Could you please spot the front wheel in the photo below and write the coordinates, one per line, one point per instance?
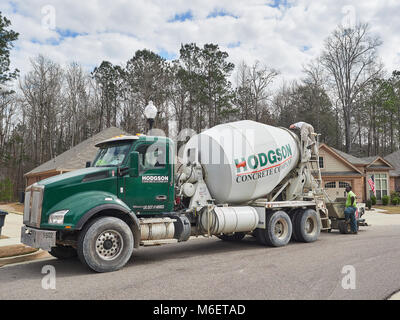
(106, 244)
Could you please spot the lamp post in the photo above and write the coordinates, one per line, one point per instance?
(150, 113)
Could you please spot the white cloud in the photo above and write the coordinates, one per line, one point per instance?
(284, 38)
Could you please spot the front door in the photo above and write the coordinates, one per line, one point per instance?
(150, 192)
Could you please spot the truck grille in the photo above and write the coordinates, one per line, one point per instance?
(33, 205)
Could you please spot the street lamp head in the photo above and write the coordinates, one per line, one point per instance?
(150, 111)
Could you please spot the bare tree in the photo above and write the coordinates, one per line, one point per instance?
(41, 88)
(253, 90)
(77, 103)
(350, 57)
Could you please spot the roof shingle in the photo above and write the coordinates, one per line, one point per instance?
(76, 157)
(394, 159)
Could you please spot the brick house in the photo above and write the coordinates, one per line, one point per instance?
(339, 169)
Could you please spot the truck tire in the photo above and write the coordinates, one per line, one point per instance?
(278, 229)
(307, 226)
(105, 244)
(293, 218)
(63, 252)
(232, 237)
(344, 227)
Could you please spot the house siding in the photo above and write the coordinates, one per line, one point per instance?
(332, 164)
(36, 178)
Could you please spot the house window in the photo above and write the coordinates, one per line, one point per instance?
(343, 184)
(330, 185)
(381, 185)
(321, 162)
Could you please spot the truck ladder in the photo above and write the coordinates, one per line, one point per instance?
(319, 192)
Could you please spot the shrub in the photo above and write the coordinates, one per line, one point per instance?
(6, 190)
(369, 204)
(395, 201)
(393, 196)
(373, 200)
(385, 200)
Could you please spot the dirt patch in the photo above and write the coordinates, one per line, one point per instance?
(40, 254)
(389, 209)
(15, 250)
(13, 207)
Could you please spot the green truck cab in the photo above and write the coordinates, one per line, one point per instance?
(94, 212)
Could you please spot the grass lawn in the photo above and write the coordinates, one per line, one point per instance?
(389, 209)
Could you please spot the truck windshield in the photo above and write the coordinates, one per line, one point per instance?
(111, 155)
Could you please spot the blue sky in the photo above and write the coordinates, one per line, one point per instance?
(281, 34)
(180, 17)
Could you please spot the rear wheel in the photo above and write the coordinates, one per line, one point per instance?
(232, 237)
(63, 252)
(105, 244)
(307, 227)
(293, 218)
(278, 229)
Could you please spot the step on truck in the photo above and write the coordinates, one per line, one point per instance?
(231, 180)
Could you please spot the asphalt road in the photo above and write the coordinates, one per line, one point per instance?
(213, 269)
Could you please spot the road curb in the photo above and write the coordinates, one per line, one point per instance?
(16, 212)
(40, 254)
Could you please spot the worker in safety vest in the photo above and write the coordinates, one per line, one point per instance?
(350, 211)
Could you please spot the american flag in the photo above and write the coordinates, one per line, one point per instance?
(371, 183)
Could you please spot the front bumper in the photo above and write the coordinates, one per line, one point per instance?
(36, 238)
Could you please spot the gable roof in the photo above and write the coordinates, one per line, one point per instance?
(391, 162)
(394, 159)
(378, 158)
(352, 159)
(76, 157)
(341, 156)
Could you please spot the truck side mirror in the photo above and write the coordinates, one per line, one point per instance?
(134, 164)
(88, 164)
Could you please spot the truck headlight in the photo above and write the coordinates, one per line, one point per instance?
(57, 217)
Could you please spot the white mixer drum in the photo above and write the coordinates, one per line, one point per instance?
(244, 160)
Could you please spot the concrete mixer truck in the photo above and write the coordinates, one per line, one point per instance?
(235, 179)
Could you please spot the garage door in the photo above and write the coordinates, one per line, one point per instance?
(336, 189)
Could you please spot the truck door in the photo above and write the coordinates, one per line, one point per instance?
(150, 192)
